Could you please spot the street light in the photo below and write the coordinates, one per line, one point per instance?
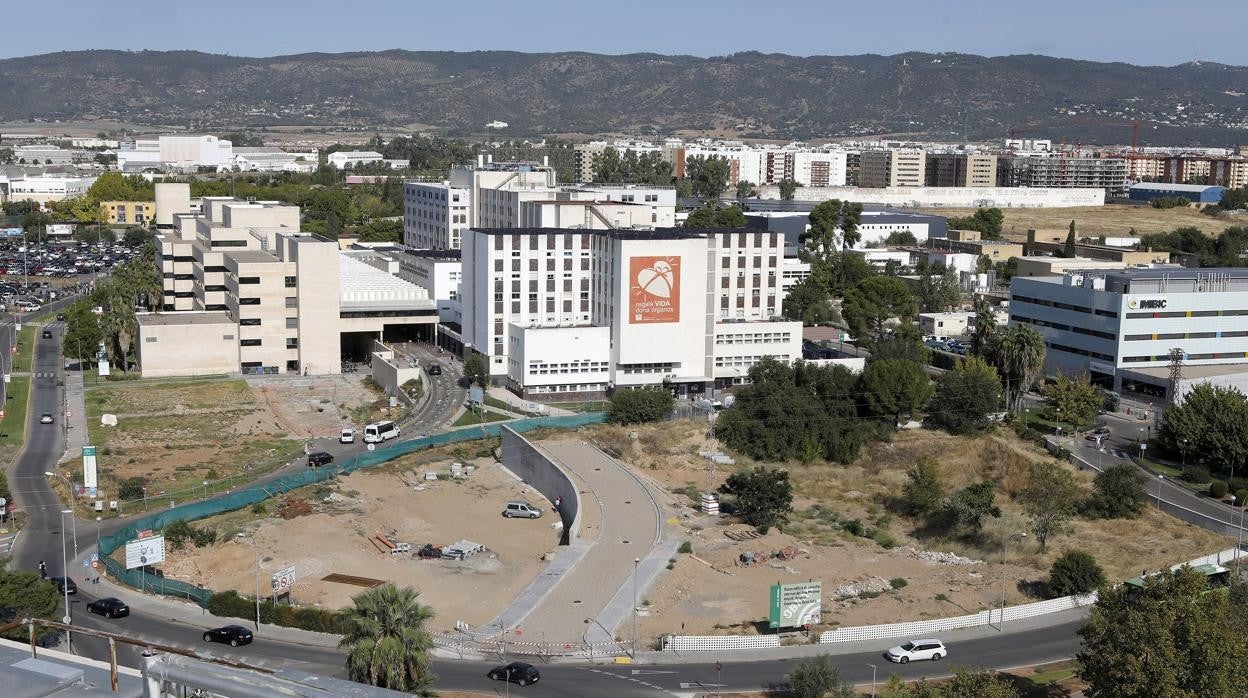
(1005, 546)
(69, 640)
(872, 680)
(1183, 454)
(636, 562)
(1160, 479)
(256, 549)
(73, 518)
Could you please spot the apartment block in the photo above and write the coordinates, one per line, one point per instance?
(128, 212)
(961, 170)
(1063, 171)
(894, 167)
(580, 311)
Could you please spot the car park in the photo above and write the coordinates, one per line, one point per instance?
(519, 673)
(917, 650)
(232, 635)
(319, 458)
(109, 607)
(347, 436)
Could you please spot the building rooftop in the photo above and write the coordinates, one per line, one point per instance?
(364, 287)
(444, 255)
(54, 673)
(1164, 186)
(250, 256)
(1192, 371)
(631, 233)
(184, 317)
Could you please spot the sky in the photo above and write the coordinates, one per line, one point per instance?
(1141, 31)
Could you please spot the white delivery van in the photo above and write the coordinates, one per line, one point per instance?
(381, 431)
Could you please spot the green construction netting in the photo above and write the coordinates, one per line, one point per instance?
(251, 494)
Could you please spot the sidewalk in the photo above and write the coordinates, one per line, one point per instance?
(76, 424)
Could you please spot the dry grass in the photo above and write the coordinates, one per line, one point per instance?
(1092, 221)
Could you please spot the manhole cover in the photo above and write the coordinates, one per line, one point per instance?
(628, 501)
(576, 602)
(627, 542)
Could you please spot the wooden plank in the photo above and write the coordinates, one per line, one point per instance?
(352, 579)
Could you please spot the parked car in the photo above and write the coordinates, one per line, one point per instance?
(347, 436)
(233, 635)
(516, 672)
(319, 458)
(917, 650)
(63, 582)
(46, 418)
(522, 510)
(109, 607)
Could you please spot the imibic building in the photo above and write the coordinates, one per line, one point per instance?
(246, 291)
(1120, 326)
(577, 312)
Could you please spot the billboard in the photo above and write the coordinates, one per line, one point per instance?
(283, 579)
(795, 605)
(10, 232)
(654, 290)
(89, 479)
(145, 551)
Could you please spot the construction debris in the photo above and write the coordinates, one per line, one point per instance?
(940, 558)
(742, 535)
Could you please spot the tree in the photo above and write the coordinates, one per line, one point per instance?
(986, 220)
(708, 174)
(477, 369)
(965, 683)
(833, 226)
(1018, 350)
(1075, 572)
(606, 167)
(985, 325)
(381, 230)
(870, 305)
(894, 387)
(386, 639)
(939, 293)
(1049, 500)
(136, 236)
(745, 189)
(1234, 199)
(1213, 421)
(965, 510)
(905, 343)
(83, 332)
(923, 491)
(24, 595)
(966, 397)
(1118, 492)
(818, 677)
(638, 406)
(1167, 639)
(762, 497)
(1069, 250)
(1074, 400)
(901, 238)
(716, 217)
(809, 304)
(788, 188)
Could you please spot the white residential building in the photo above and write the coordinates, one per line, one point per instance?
(352, 158)
(574, 311)
(44, 188)
(894, 167)
(269, 159)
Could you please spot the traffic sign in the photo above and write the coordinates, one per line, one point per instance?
(68, 413)
(86, 563)
(1, 414)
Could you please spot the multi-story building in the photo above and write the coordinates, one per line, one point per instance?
(355, 158)
(1063, 171)
(435, 216)
(961, 170)
(245, 290)
(1120, 326)
(46, 187)
(894, 167)
(1229, 172)
(585, 156)
(176, 152)
(128, 212)
(1145, 168)
(579, 311)
(44, 154)
(439, 272)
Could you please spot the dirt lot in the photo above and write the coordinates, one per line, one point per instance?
(178, 434)
(396, 501)
(1093, 221)
(833, 501)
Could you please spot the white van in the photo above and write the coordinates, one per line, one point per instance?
(381, 431)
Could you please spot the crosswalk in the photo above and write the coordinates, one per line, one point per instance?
(6, 543)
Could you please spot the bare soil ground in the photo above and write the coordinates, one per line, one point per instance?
(178, 434)
(715, 594)
(392, 500)
(1093, 221)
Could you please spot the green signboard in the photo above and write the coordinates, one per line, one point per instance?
(796, 605)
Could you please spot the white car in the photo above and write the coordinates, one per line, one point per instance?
(347, 436)
(917, 650)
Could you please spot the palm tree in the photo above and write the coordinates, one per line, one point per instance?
(386, 640)
(985, 325)
(1018, 350)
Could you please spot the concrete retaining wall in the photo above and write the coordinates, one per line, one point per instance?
(391, 372)
(544, 475)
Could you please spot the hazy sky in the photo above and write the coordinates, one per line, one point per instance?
(1147, 32)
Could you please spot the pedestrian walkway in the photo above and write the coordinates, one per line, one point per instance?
(76, 420)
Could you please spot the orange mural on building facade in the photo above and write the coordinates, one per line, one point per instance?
(654, 290)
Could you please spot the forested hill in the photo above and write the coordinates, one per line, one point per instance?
(754, 94)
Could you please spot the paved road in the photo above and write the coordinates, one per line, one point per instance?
(445, 397)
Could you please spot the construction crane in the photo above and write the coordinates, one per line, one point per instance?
(1134, 124)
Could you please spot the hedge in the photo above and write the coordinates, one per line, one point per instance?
(229, 604)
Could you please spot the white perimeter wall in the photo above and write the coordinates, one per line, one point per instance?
(953, 197)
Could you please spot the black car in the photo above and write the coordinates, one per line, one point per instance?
(516, 672)
(109, 607)
(63, 582)
(319, 458)
(435, 369)
(235, 635)
(47, 334)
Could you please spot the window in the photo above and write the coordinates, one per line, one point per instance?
(292, 323)
(292, 302)
(249, 342)
(249, 301)
(249, 321)
(248, 279)
(290, 282)
(149, 339)
(292, 342)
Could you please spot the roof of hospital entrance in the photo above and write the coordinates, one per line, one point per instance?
(620, 233)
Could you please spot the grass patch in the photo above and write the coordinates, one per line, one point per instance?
(1113, 220)
(1049, 674)
(13, 428)
(25, 355)
(470, 418)
(589, 406)
(1162, 469)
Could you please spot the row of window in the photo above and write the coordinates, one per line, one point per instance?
(1081, 352)
(1186, 313)
(1238, 355)
(1061, 326)
(291, 342)
(753, 338)
(743, 361)
(1183, 335)
(1064, 306)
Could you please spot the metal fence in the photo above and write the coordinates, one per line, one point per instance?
(258, 493)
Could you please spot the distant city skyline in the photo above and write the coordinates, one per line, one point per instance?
(1141, 32)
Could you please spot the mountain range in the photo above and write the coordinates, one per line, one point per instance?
(934, 96)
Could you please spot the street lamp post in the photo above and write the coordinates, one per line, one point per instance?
(256, 549)
(1160, 479)
(872, 680)
(636, 562)
(73, 518)
(1005, 546)
(1183, 454)
(69, 640)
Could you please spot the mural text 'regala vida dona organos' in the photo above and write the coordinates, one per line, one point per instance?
(654, 290)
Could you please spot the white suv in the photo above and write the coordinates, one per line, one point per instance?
(917, 649)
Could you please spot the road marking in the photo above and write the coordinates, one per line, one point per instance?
(649, 671)
(699, 684)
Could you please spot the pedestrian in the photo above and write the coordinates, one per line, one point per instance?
(558, 502)
(43, 570)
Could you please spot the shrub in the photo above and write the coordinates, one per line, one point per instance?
(230, 604)
(1218, 489)
(1196, 474)
(1119, 492)
(898, 583)
(854, 526)
(686, 548)
(1075, 572)
(1241, 497)
(818, 677)
(131, 488)
(259, 508)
